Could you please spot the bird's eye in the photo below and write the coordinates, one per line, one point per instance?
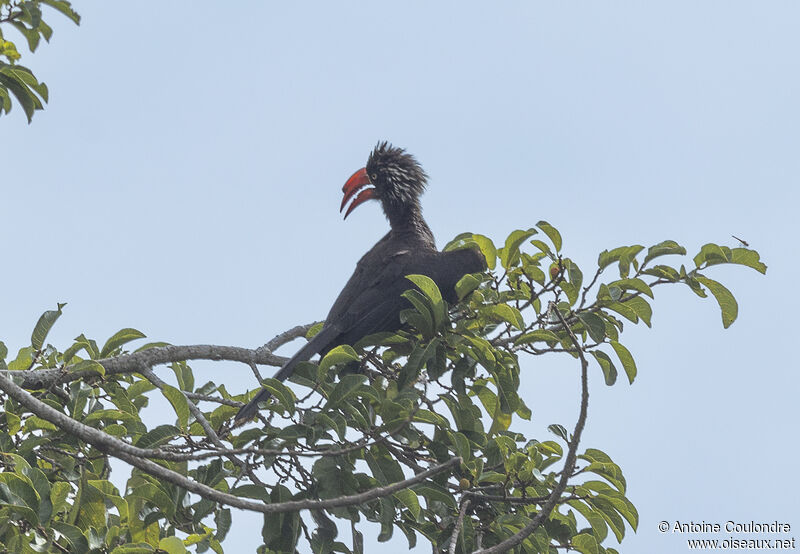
(373, 176)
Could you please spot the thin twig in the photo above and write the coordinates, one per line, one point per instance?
(287, 336)
(217, 399)
(544, 513)
(201, 419)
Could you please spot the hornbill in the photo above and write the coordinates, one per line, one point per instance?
(371, 300)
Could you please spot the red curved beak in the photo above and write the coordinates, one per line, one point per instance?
(355, 183)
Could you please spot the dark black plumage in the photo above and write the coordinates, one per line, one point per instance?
(371, 300)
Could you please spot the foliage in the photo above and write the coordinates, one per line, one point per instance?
(26, 16)
(444, 391)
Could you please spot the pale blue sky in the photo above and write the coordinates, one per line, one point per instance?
(186, 175)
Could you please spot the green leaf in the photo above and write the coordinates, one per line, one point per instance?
(22, 84)
(431, 292)
(559, 430)
(467, 240)
(65, 8)
(538, 335)
(23, 360)
(42, 487)
(666, 248)
(504, 312)
(13, 422)
(345, 388)
(467, 284)
(44, 325)
(460, 445)
(281, 392)
(158, 436)
(433, 492)
(31, 35)
(606, 509)
(120, 337)
(387, 519)
(156, 495)
(5, 101)
(179, 404)
(574, 273)
(342, 354)
(633, 284)
(663, 272)
(421, 355)
(110, 493)
(725, 299)
(609, 371)
(223, 521)
(622, 505)
(487, 249)
(110, 415)
(75, 537)
(627, 360)
(172, 545)
(544, 248)
(81, 343)
(409, 499)
(625, 311)
(713, 254)
(570, 290)
(594, 325)
(552, 233)
(598, 524)
(585, 544)
(627, 257)
(18, 494)
(510, 252)
(603, 465)
(640, 306)
(421, 317)
(34, 423)
(749, 258)
(607, 258)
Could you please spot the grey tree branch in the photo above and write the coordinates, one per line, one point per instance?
(295, 332)
(569, 463)
(130, 363)
(457, 528)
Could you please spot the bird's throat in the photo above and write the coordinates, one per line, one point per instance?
(408, 224)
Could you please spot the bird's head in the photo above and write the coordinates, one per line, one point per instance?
(392, 176)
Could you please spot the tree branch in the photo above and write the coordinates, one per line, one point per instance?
(130, 363)
(544, 513)
(295, 332)
(457, 528)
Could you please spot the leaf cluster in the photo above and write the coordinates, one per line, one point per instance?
(361, 419)
(55, 489)
(26, 17)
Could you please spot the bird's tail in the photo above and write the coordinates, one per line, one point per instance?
(317, 344)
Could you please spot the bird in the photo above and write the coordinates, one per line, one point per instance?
(371, 300)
